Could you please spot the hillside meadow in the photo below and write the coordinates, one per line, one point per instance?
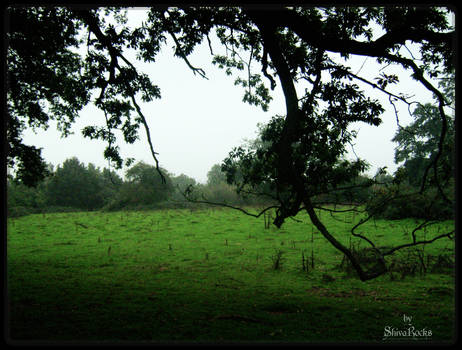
(216, 275)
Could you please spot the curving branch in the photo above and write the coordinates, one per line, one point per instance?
(148, 135)
(115, 54)
(264, 68)
(444, 235)
(187, 195)
(374, 85)
(181, 54)
(310, 31)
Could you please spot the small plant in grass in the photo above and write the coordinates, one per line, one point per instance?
(305, 267)
(267, 217)
(312, 247)
(277, 259)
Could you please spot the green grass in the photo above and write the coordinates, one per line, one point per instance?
(208, 276)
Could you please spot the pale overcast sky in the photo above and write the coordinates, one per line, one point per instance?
(197, 122)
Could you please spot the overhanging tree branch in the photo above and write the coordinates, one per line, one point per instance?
(114, 53)
(310, 30)
(180, 50)
(148, 135)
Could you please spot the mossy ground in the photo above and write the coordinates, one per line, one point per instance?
(208, 276)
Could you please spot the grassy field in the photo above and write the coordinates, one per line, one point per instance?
(216, 276)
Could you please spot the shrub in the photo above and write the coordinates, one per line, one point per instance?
(17, 211)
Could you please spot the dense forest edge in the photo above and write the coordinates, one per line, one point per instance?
(74, 186)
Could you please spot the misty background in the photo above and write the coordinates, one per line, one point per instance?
(197, 121)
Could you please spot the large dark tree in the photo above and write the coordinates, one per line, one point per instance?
(425, 187)
(418, 143)
(145, 186)
(215, 176)
(302, 153)
(75, 185)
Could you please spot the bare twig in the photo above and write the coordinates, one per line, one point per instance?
(360, 68)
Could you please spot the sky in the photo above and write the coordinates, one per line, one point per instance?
(197, 122)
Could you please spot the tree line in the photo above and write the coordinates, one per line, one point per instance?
(76, 186)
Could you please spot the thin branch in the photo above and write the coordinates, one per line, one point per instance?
(390, 99)
(261, 194)
(391, 251)
(409, 51)
(354, 209)
(353, 148)
(296, 220)
(384, 67)
(88, 42)
(195, 70)
(360, 68)
(205, 201)
(374, 85)
(421, 226)
(148, 135)
(210, 44)
(333, 217)
(366, 184)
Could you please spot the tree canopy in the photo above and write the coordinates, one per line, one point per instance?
(302, 152)
(145, 185)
